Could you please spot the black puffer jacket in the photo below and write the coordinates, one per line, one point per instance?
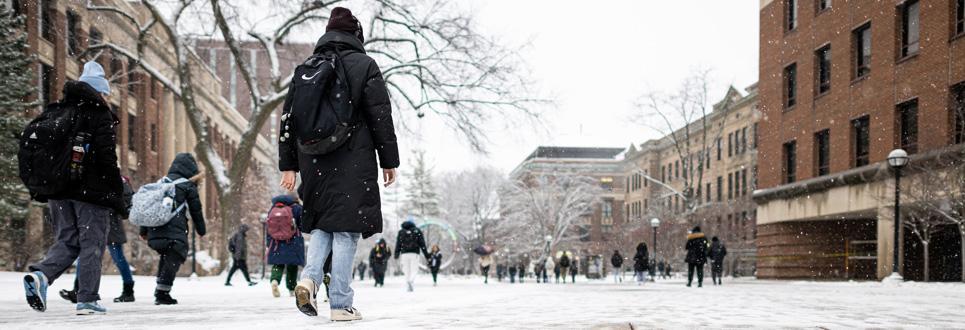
(410, 240)
(616, 260)
(116, 234)
(696, 248)
(379, 256)
(641, 260)
(238, 244)
(340, 190)
(183, 166)
(101, 184)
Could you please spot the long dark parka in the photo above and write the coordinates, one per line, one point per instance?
(340, 189)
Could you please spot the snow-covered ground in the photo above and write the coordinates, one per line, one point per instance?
(461, 303)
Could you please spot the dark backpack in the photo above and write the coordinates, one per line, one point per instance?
(45, 151)
(320, 113)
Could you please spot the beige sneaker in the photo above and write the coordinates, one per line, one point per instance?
(274, 289)
(348, 314)
(305, 297)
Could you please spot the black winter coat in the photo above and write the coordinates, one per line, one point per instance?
(717, 252)
(410, 240)
(641, 260)
(435, 261)
(116, 234)
(616, 260)
(176, 230)
(564, 261)
(238, 244)
(379, 257)
(696, 249)
(101, 183)
(340, 190)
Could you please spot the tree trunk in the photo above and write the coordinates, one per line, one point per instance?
(230, 213)
(925, 250)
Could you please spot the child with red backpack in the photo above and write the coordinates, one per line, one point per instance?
(284, 241)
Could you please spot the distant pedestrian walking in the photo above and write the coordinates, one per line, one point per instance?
(617, 262)
(556, 272)
(717, 253)
(696, 256)
(409, 246)
(435, 262)
(574, 268)
(512, 273)
(485, 262)
(564, 265)
(640, 262)
(360, 269)
(238, 246)
(379, 261)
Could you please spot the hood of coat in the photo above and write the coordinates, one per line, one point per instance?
(184, 166)
(641, 248)
(695, 236)
(284, 199)
(716, 245)
(338, 40)
(243, 229)
(81, 94)
(381, 243)
(408, 225)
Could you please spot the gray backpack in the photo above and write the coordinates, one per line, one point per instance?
(153, 204)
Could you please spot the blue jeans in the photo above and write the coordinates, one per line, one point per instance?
(342, 245)
(117, 254)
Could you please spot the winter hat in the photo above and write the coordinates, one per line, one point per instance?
(696, 229)
(94, 76)
(341, 19)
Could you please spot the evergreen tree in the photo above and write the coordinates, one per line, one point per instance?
(421, 198)
(17, 78)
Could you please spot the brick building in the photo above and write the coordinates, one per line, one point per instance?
(655, 170)
(153, 126)
(602, 164)
(842, 83)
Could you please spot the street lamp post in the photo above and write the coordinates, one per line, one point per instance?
(264, 248)
(897, 159)
(654, 223)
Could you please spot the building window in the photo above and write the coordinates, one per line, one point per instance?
(131, 131)
(47, 83)
(823, 69)
(790, 162)
(95, 36)
(647, 173)
(822, 152)
(707, 198)
(730, 186)
(823, 5)
(744, 140)
(73, 39)
(790, 85)
(790, 14)
(730, 144)
(663, 174)
(755, 135)
(607, 209)
(909, 28)
(743, 182)
(47, 20)
(861, 133)
(908, 126)
(154, 137)
(606, 183)
(676, 168)
(15, 7)
(862, 50)
(737, 184)
(719, 150)
(131, 76)
(958, 113)
(959, 17)
(720, 188)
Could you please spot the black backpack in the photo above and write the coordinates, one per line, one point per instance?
(320, 114)
(45, 150)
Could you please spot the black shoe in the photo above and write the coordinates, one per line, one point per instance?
(252, 283)
(227, 284)
(127, 295)
(69, 295)
(700, 285)
(164, 298)
(688, 285)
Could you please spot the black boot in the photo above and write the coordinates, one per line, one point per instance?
(69, 295)
(164, 298)
(127, 295)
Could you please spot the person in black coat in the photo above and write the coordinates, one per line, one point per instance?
(512, 273)
(409, 245)
(379, 261)
(171, 239)
(717, 253)
(574, 268)
(617, 262)
(696, 256)
(640, 262)
(360, 269)
(435, 262)
(238, 246)
(564, 265)
(340, 189)
(556, 272)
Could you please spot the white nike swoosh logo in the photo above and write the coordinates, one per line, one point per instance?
(306, 77)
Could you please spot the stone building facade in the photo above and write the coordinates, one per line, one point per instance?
(842, 84)
(153, 125)
(656, 175)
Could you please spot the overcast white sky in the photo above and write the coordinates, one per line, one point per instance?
(595, 58)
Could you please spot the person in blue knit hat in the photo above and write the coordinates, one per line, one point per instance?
(81, 213)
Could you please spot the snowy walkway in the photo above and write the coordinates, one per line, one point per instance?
(467, 303)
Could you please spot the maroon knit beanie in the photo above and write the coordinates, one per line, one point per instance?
(342, 19)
